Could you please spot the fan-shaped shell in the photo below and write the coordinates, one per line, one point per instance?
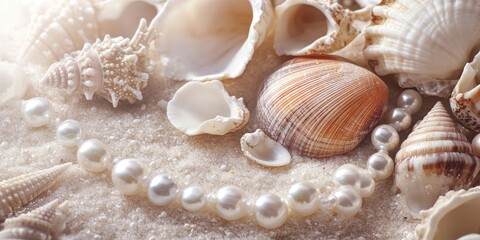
(261, 149)
(423, 43)
(436, 157)
(320, 106)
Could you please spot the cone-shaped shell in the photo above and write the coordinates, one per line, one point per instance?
(436, 157)
(320, 106)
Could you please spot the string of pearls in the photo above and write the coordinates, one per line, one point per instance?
(229, 202)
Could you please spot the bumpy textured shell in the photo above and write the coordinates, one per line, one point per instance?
(436, 157)
(423, 43)
(18, 191)
(320, 106)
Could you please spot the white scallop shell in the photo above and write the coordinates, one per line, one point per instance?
(210, 39)
(13, 82)
(261, 149)
(198, 108)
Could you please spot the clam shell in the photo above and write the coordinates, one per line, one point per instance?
(261, 149)
(436, 157)
(320, 106)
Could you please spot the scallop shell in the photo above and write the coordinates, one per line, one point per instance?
(306, 27)
(198, 108)
(13, 81)
(18, 191)
(320, 106)
(405, 40)
(207, 40)
(261, 149)
(436, 157)
(116, 68)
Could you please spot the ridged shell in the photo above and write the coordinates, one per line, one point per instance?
(116, 68)
(18, 191)
(436, 157)
(320, 106)
(423, 43)
(261, 149)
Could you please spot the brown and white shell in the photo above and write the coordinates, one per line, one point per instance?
(320, 106)
(435, 158)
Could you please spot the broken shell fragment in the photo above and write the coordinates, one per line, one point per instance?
(261, 149)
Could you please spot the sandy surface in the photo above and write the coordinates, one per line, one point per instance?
(96, 210)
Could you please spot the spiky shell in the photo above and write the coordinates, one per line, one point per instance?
(18, 191)
(436, 157)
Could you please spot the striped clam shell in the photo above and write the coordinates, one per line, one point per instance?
(435, 158)
(320, 106)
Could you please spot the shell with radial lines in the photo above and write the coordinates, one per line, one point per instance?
(115, 68)
(18, 191)
(320, 106)
(435, 158)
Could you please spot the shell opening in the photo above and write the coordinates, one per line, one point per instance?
(468, 212)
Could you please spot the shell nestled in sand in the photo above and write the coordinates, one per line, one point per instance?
(261, 149)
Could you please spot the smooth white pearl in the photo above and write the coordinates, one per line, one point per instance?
(328, 203)
(162, 190)
(360, 179)
(93, 155)
(70, 133)
(193, 198)
(270, 211)
(302, 198)
(399, 119)
(367, 184)
(126, 176)
(476, 145)
(385, 137)
(37, 111)
(410, 100)
(349, 201)
(380, 165)
(230, 203)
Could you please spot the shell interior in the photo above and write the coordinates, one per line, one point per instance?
(261, 149)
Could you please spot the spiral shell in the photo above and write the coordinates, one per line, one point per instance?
(320, 106)
(435, 158)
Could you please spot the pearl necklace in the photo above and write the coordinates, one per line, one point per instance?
(269, 210)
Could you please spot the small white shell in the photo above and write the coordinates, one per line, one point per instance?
(198, 108)
(261, 149)
(13, 82)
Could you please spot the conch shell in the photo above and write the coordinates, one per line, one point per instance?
(261, 149)
(320, 106)
(436, 157)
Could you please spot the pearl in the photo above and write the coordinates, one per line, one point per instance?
(410, 100)
(36, 111)
(328, 203)
(349, 201)
(162, 190)
(126, 176)
(270, 211)
(367, 184)
(70, 133)
(476, 145)
(93, 155)
(380, 165)
(360, 179)
(302, 198)
(230, 204)
(385, 137)
(399, 119)
(193, 198)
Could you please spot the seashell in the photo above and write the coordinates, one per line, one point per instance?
(436, 157)
(261, 149)
(320, 106)
(13, 81)
(306, 27)
(207, 40)
(423, 55)
(116, 68)
(18, 191)
(41, 223)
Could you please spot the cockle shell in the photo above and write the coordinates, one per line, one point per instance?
(206, 107)
(114, 68)
(436, 157)
(423, 43)
(320, 106)
(210, 39)
(20, 190)
(306, 27)
(261, 149)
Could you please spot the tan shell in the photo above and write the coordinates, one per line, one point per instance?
(320, 106)
(435, 158)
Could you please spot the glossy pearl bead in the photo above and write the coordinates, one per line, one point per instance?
(270, 211)
(360, 179)
(385, 137)
(399, 119)
(410, 100)
(126, 176)
(476, 145)
(230, 203)
(36, 111)
(380, 165)
(162, 190)
(349, 201)
(302, 198)
(93, 155)
(70, 133)
(193, 198)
